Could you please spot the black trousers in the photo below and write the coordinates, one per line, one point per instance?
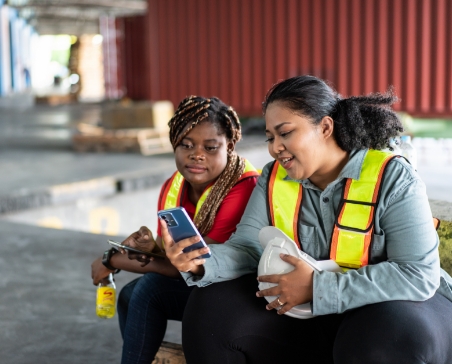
(226, 323)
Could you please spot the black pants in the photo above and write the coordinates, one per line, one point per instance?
(227, 323)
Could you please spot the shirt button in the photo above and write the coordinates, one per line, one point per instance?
(326, 199)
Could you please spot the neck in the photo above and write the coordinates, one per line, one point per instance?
(195, 193)
(334, 164)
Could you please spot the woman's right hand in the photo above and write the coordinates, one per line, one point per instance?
(142, 240)
(184, 262)
(99, 271)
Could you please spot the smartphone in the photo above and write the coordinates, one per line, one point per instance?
(180, 227)
(117, 246)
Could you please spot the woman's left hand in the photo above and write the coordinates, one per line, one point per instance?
(293, 288)
(184, 262)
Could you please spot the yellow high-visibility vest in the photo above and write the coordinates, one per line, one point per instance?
(173, 192)
(354, 225)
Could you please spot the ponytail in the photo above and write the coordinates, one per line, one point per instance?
(360, 122)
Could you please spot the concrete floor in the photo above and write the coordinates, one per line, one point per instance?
(47, 305)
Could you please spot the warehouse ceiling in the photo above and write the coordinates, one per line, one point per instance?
(74, 16)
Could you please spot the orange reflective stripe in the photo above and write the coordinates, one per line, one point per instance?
(249, 174)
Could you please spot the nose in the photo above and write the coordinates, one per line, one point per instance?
(197, 155)
(277, 146)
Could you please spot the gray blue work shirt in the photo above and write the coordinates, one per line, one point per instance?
(404, 258)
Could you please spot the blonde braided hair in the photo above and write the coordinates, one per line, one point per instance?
(192, 111)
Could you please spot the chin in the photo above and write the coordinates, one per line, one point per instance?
(295, 175)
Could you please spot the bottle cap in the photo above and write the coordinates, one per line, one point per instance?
(405, 138)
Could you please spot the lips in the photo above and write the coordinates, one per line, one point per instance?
(195, 168)
(285, 162)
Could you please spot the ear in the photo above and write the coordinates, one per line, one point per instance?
(230, 146)
(326, 126)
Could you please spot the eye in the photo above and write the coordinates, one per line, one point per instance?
(285, 134)
(269, 140)
(186, 146)
(211, 149)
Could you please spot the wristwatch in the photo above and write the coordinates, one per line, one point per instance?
(106, 259)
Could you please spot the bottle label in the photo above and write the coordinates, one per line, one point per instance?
(106, 296)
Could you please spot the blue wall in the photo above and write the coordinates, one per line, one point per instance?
(15, 58)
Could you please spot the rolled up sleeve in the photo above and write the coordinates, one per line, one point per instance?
(241, 253)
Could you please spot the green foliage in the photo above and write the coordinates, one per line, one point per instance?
(445, 246)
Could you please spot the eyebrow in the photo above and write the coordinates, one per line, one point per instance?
(206, 140)
(277, 127)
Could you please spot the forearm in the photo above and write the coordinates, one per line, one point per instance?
(237, 257)
(161, 266)
(386, 281)
(241, 253)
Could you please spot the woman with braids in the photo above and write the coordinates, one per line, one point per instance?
(344, 199)
(203, 133)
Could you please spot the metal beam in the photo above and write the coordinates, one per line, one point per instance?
(125, 5)
(74, 16)
(70, 12)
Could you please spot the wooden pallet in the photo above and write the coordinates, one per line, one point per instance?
(146, 141)
(54, 100)
(170, 353)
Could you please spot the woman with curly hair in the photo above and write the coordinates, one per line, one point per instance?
(340, 197)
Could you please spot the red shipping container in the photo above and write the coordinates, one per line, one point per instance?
(236, 49)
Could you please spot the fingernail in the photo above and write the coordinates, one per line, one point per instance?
(281, 255)
(258, 294)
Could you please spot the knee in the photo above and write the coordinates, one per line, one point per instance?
(148, 283)
(125, 295)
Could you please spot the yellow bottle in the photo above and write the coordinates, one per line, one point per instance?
(106, 298)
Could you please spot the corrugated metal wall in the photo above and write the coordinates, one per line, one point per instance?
(236, 49)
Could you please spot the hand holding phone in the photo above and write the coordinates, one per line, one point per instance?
(181, 227)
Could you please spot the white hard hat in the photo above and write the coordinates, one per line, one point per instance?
(275, 242)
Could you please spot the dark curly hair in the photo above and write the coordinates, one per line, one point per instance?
(360, 122)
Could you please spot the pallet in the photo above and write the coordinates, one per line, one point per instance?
(170, 353)
(146, 141)
(54, 100)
